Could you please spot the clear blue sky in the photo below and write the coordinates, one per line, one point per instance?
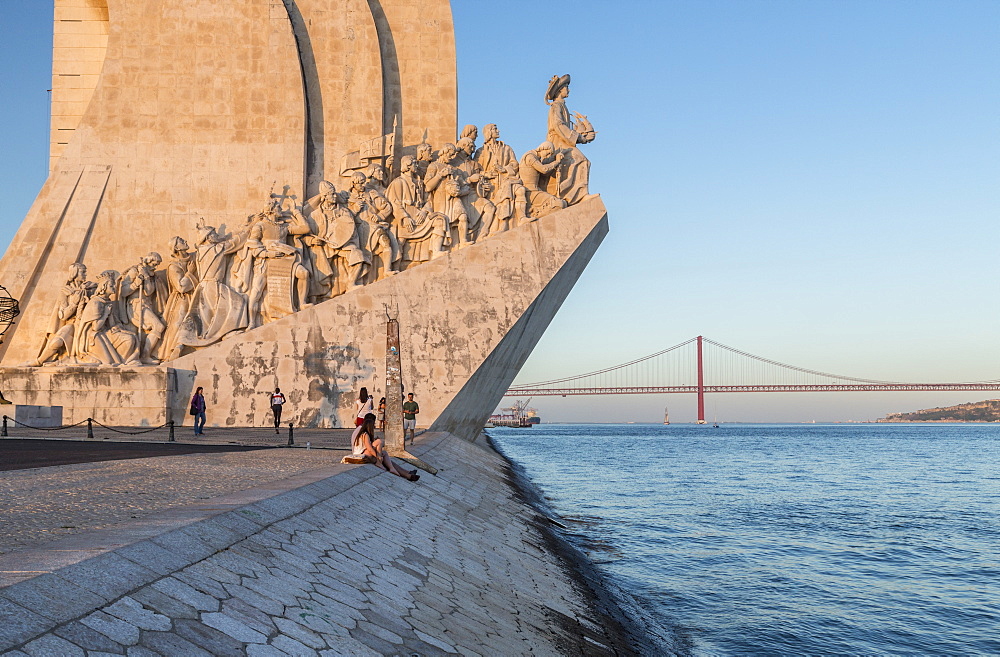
(815, 182)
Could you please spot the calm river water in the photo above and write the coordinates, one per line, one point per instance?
(787, 539)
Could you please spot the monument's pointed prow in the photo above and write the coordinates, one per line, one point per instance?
(468, 411)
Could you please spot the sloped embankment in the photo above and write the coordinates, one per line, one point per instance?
(358, 563)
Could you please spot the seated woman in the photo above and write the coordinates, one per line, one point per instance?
(365, 445)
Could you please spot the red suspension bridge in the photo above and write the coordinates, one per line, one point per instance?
(671, 370)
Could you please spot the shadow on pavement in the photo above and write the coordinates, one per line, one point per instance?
(21, 454)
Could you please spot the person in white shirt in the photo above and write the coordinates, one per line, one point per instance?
(365, 445)
(277, 401)
(363, 406)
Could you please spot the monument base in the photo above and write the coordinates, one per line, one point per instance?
(42, 417)
(115, 396)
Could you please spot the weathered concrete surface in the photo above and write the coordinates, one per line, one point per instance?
(354, 564)
(467, 321)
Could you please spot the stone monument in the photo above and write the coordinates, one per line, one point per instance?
(299, 165)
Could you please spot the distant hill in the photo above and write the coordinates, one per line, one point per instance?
(984, 411)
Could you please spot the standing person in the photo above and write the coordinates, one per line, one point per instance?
(363, 406)
(277, 401)
(198, 411)
(410, 410)
(381, 414)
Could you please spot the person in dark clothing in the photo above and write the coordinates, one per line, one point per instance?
(277, 401)
(198, 407)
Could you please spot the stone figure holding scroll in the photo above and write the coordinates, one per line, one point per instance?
(276, 272)
(423, 233)
(571, 184)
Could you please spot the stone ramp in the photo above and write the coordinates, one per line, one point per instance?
(342, 561)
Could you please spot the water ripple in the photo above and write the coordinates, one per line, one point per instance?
(788, 539)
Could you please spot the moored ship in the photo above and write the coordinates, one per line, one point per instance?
(518, 416)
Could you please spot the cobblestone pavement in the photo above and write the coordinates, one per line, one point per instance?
(362, 563)
(20, 454)
(42, 504)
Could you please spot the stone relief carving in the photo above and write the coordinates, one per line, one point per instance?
(571, 184)
(217, 308)
(140, 294)
(538, 170)
(423, 234)
(290, 256)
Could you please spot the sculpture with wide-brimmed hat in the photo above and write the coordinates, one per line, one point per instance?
(556, 84)
(565, 133)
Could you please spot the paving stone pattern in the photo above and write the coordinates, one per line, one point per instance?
(43, 504)
(453, 564)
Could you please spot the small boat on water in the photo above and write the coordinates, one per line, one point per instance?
(666, 415)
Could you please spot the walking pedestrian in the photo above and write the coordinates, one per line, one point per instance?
(277, 401)
(198, 407)
(410, 410)
(363, 407)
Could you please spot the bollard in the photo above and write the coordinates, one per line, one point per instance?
(4, 434)
(170, 424)
(90, 427)
(291, 436)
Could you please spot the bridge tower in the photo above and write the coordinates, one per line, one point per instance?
(701, 384)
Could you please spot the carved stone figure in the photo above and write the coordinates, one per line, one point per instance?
(425, 155)
(103, 338)
(72, 299)
(373, 212)
(537, 167)
(182, 278)
(469, 132)
(276, 272)
(423, 234)
(511, 199)
(139, 296)
(448, 189)
(335, 243)
(216, 308)
(494, 155)
(497, 160)
(480, 188)
(378, 178)
(574, 170)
